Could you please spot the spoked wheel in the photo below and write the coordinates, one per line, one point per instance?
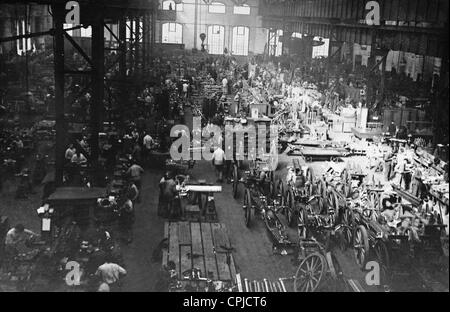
(280, 192)
(309, 175)
(235, 181)
(346, 237)
(344, 176)
(382, 257)
(333, 202)
(271, 190)
(310, 273)
(367, 213)
(290, 201)
(374, 200)
(381, 253)
(302, 223)
(247, 207)
(347, 216)
(321, 187)
(361, 246)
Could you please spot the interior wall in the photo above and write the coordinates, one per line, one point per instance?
(186, 17)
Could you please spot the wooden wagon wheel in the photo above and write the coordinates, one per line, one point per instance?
(344, 176)
(374, 200)
(381, 254)
(247, 207)
(367, 213)
(302, 223)
(280, 192)
(361, 245)
(347, 216)
(346, 237)
(290, 201)
(235, 181)
(271, 190)
(309, 175)
(310, 273)
(321, 187)
(333, 202)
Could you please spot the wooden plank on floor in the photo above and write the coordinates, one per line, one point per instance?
(208, 251)
(174, 248)
(165, 251)
(223, 268)
(185, 258)
(184, 233)
(221, 240)
(232, 268)
(198, 259)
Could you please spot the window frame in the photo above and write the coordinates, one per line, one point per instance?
(178, 37)
(217, 5)
(241, 7)
(235, 33)
(222, 32)
(178, 7)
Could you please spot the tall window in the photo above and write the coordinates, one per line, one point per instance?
(242, 10)
(216, 7)
(216, 39)
(86, 32)
(132, 28)
(321, 50)
(276, 46)
(69, 32)
(25, 43)
(172, 33)
(171, 5)
(240, 40)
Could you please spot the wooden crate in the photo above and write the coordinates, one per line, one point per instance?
(205, 246)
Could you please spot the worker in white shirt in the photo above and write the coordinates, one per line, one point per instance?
(185, 89)
(70, 151)
(78, 158)
(110, 273)
(148, 143)
(135, 172)
(218, 161)
(225, 85)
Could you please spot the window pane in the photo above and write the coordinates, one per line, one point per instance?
(240, 40)
(167, 5)
(216, 7)
(70, 32)
(216, 39)
(244, 9)
(276, 46)
(86, 32)
(172, 33)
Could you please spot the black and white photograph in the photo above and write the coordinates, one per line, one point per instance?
(242, 147)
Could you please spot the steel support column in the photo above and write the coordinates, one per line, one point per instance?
(61, 133)
(122, 66)
(98, 60)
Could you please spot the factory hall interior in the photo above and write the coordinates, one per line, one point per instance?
(224, 146)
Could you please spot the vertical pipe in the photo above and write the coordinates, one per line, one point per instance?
(58, 48)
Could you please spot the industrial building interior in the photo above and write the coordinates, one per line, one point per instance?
(224, 145)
